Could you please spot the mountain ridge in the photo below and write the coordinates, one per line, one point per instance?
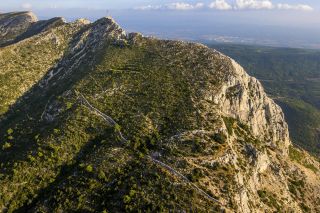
(14, 24)
(187, 106)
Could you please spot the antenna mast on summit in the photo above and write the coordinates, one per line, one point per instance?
(107, 11)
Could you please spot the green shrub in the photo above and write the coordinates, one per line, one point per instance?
(295, 154)
(102, 176)
(6, 146)
(31, 158)
(262, 194)
(126, 199)
(304, 208)
(311, 167)
(220, 138)
(195, 175)
(298, 156)
(10, 131)
(89, 168)
(229, 122)
(244, 126)
(269, 199)
(69, 105)
(292, 189)
(117, 128)
(197, 145)
(296, 186)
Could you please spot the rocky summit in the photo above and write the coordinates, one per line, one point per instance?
(94, 119)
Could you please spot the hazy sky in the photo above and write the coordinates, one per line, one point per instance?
(289, 12)
(278, 22)
(180, 4)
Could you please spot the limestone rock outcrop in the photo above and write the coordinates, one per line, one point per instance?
(243, 97)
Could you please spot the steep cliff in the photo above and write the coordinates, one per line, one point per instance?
(121, 122)
(242, 97)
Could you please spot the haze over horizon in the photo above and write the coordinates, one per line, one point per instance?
(280, 23)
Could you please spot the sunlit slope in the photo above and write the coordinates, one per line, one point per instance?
(24, 64)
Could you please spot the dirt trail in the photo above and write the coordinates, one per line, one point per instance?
(112, 122)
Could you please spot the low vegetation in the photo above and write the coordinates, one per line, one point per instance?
(297, 155)
(150, 141)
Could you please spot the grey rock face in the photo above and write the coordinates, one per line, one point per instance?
(13, 25)
(243, 97)
(41, 26)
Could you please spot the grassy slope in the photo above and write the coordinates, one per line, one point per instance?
(292, 77)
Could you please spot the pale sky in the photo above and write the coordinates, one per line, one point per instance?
(267, 21)
(166, 4)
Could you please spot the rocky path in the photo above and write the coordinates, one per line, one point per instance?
(112, 122)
